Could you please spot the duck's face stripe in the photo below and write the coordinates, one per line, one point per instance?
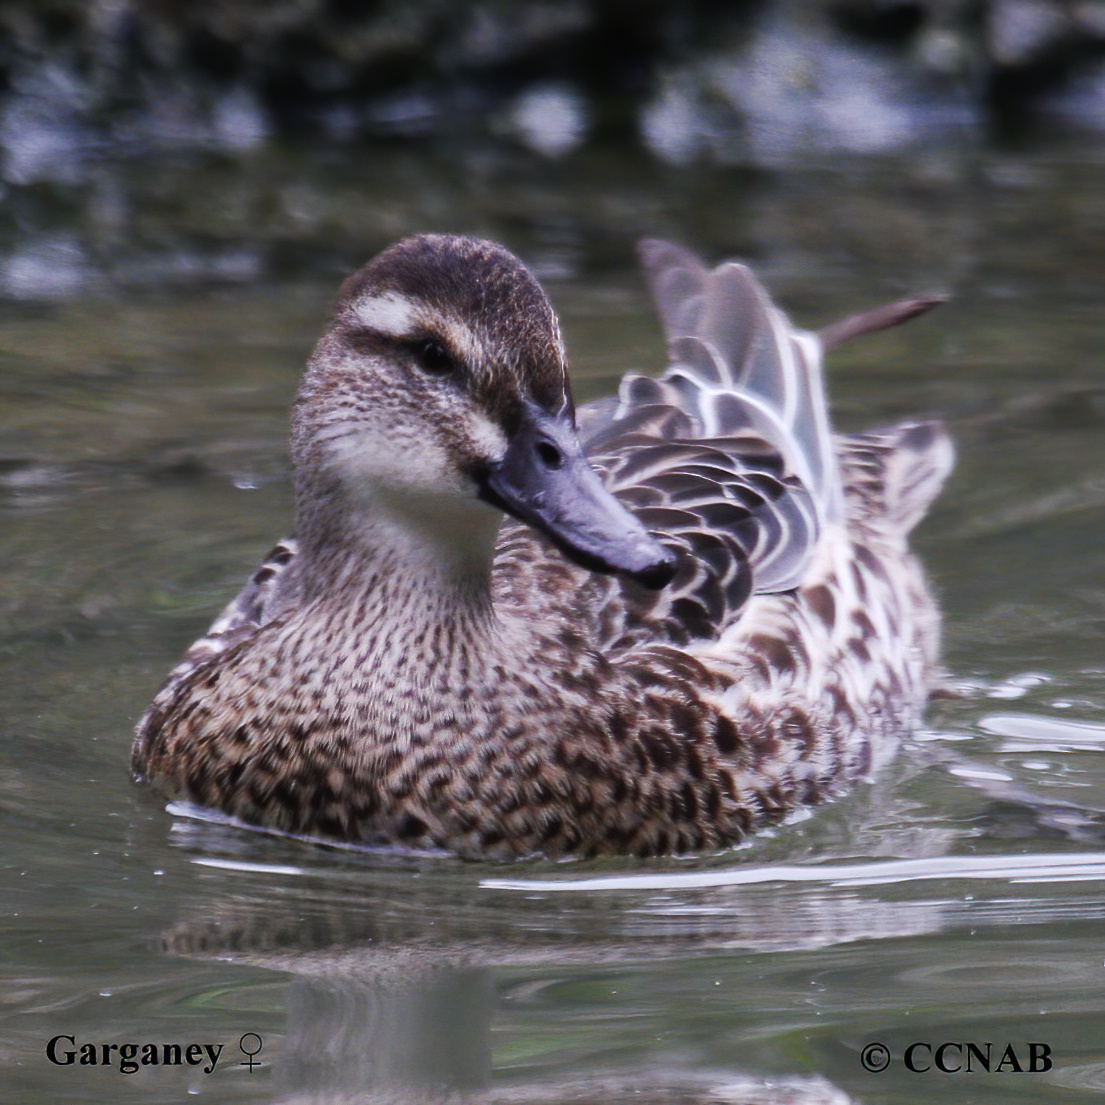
(390, 315)
(431, 361)
(460, 401)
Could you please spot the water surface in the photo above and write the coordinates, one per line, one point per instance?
(959, 898)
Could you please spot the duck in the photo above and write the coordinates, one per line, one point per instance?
(509, 627)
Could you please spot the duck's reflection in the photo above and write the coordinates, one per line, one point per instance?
(401, 966)
(396, 998)
(428, 1041)
(430, 1033)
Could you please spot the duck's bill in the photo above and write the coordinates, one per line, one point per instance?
(545, 480)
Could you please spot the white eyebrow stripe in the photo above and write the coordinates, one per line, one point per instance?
(390, 315)
(395, 316)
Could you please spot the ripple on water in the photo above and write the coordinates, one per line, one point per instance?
(1035, 733)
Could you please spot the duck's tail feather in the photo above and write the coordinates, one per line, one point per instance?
(881, 318)
(894, 473)
(740, 365)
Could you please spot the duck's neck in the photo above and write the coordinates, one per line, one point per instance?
(415, 568)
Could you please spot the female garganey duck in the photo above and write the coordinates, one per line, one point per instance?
(716, 623)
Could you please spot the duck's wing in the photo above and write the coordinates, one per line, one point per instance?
(741, 366)
(729, 456)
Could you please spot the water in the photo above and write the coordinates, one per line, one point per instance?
(960, 898)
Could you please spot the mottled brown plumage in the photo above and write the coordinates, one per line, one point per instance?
(407, 671)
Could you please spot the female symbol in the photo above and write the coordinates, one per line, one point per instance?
(251, 1050)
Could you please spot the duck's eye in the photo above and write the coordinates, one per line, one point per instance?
(434, 358)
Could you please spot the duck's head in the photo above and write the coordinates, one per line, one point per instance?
(442, 379)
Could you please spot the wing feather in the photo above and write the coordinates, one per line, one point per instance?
(728, 456)
(751, 367)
